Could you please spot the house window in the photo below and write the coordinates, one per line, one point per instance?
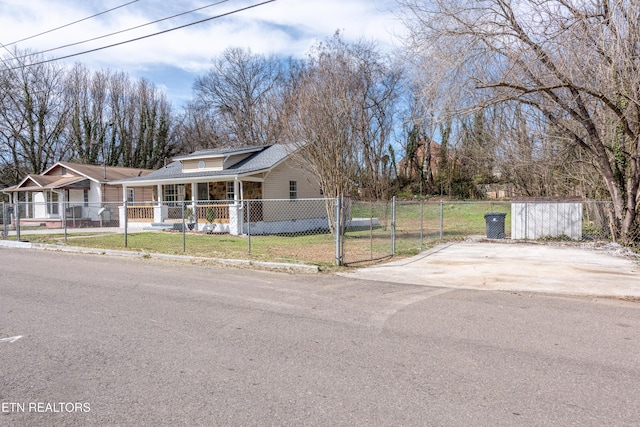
(293, 190)
(174, 192)
(52, 203)
(130, 195)
(169, 193)
(230, 192)
(85, 198)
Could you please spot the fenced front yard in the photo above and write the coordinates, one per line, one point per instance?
(293, 230)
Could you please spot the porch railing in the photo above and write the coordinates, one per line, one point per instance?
(140, 213)
(221, 213)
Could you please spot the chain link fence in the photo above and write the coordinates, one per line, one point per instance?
(382, 229)
(299, 230)
(57, 220)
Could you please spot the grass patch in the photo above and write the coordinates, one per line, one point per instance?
(316, 249)
(417, 227)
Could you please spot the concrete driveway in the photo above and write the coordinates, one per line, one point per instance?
(568, 269)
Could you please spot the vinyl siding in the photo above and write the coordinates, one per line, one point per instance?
(276, 186)
(214, 164)
(113, 194)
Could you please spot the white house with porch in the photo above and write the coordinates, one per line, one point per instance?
(81, 194)
(213, 185)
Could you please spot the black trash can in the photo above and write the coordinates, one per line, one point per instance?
(495, 225)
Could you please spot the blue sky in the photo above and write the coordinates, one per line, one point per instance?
(173, 60)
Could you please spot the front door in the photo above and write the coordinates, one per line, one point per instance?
(203, 191)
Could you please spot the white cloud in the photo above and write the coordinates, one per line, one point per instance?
(285, 27)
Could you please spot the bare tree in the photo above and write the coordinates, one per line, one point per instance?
(90, 118)
(33, 114)
(196, 129)
(575, 62)
(341, 116)
(154, 138)
(142, 124)
(242, 89)
(380, 81)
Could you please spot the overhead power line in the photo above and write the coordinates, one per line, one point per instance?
(121, 31)
(71, 23)
(143, 37)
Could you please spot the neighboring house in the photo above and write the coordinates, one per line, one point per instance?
(80, 192)
(409, 168)
(221, 180)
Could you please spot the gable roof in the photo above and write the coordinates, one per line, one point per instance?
(262, 159)
(39, 183)
(99, 174)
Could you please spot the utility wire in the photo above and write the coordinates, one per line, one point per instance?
(144, 37)
(121, 31)
(71, 23)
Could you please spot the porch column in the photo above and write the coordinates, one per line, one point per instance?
(12, 199)
(194, 203)
(122, 210)
(160, 195)
(236, 191)
(236, 216)
(160, 210)
(60, 204)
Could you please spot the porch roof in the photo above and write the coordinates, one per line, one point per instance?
(44, 182)
(76, 173)
(101, 174)
(263, 160)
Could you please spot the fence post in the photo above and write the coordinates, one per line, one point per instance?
(17, 218)
(526, 221)
(5, 234)
(421, 223)
(337, 230)
(65, 206)
(441, 219)
(126, 221)
(184, 225)
(249, 225)
(371, 229)
(393, 225)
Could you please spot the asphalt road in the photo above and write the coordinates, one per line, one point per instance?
(97, 340)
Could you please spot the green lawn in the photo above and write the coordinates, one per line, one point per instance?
(363, 244)
(315, 249)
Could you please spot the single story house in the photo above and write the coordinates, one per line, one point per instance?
(214, 184)
(81, 193)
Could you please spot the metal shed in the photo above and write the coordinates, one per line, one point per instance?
(538, 219)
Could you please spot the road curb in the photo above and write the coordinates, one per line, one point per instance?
(300, 268)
